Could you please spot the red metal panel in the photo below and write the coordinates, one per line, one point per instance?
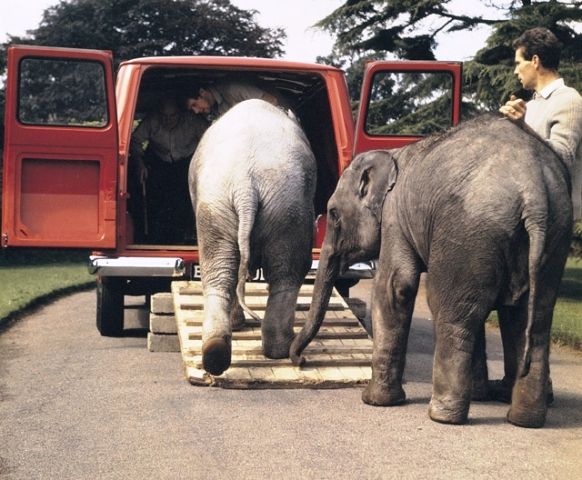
(363, 141)
(59, 182)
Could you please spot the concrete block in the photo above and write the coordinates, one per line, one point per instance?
(163, 324)
(163, 343)
(162, 303)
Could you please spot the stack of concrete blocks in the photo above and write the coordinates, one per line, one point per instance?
(163, 334)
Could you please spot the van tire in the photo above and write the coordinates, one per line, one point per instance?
(110, 306)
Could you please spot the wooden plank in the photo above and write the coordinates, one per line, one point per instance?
(340, 355)
(255, 334)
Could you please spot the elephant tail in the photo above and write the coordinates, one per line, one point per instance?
(246, 211)
(536, 226)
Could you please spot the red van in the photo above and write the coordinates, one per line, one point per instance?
(68, 124)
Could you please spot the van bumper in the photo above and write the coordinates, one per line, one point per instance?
(136, 266)
(175, 267)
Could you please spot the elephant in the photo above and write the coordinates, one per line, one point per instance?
(484, 210)
(252, 183)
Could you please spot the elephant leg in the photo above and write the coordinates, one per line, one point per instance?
(480, 391)
(392, 306)
(216, 334)
(286, 259)
(459, 318)
(512, 321)
(277, 326)
(219, 267)
(530, 393)
(452, 371)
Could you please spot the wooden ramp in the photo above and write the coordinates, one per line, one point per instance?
(340, 355)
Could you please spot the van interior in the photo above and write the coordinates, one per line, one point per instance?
(304, 93)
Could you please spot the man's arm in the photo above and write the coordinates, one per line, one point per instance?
(566, 130)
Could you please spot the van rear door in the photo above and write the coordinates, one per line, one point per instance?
(61, 149)
(403, 101)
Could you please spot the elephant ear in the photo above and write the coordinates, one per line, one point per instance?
(378, 175)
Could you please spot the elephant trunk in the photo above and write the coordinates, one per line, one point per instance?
(327, 273)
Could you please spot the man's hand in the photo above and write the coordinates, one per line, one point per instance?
(514, 109)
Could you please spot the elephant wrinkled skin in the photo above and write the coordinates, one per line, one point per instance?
(484, 209)
(252, 183)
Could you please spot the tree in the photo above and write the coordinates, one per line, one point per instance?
(136, 28)
(408, 29)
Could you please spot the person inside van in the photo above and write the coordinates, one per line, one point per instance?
(161, 148)
(218, 98)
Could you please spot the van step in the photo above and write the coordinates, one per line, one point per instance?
(339, 356)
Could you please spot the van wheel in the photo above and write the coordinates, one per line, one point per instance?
(110, 306)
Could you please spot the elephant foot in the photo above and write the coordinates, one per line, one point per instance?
(376, 395)
(527, 418)
(454, 412)
(500, 391)
(528, 404)
(276, 350)
(216, 355)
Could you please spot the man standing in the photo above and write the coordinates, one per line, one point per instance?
(161, 148)
(555, 112)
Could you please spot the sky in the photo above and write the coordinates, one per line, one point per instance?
(295, 16)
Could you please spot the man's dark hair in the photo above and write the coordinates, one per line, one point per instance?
(541, 42)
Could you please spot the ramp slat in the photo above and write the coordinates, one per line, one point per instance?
(340, 355)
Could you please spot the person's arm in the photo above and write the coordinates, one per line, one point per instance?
(566, 131)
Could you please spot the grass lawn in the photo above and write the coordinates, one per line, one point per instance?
(567, 321)
(567, 324)
(29, 276)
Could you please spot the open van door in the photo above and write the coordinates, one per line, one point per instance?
(60, 149)
(403, 101)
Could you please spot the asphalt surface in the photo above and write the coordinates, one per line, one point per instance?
(74, 405)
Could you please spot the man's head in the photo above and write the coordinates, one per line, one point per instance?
(169, 113)
(202, 103)
(536, 51)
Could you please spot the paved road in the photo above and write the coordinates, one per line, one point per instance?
(74, 405)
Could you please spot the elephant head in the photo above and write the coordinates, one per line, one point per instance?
(354, 216)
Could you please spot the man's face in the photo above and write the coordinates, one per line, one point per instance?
(199, 105)
(202, 103)
(170, 116)
(525, 70)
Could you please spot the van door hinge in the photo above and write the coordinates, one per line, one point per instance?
(4, 240)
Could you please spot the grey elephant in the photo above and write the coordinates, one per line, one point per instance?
(252, 182)
(485, 210)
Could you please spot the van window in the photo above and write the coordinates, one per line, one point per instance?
(410, 103)
(62, 93)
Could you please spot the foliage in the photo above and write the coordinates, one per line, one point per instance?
(408, 29)
(566, 325)
(136, 28)
(489, 77)
(577, 240)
